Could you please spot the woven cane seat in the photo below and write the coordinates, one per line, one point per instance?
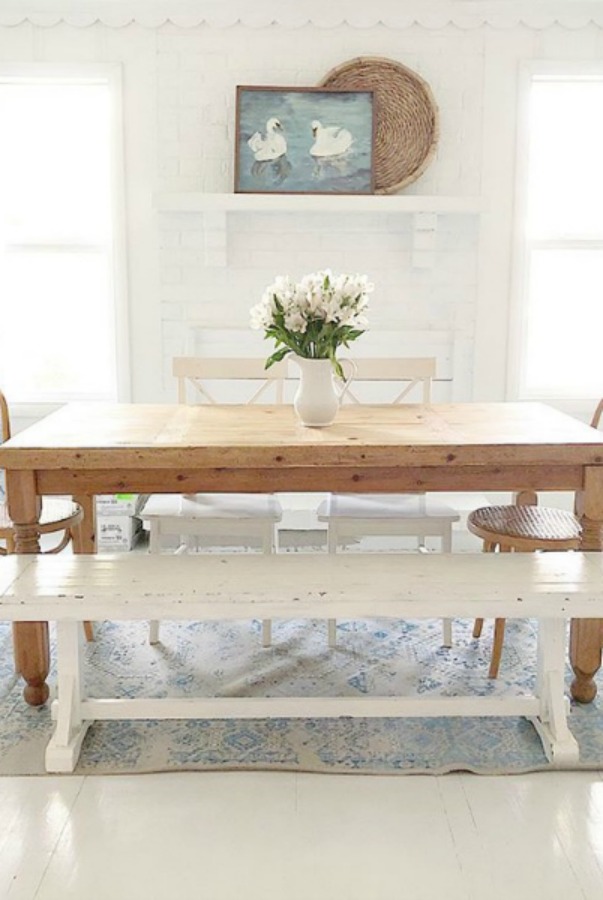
(526, 527)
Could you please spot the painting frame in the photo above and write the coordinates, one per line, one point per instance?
(304, 140)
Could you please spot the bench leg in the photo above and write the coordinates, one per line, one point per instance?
(559, 744)
(64, 746)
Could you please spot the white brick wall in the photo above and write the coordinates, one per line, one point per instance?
(197, 75)
(179, 111)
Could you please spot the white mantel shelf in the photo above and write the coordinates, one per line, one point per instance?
(320, 203)
(215, 208)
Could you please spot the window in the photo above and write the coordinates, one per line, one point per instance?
(61, 287)
(560, 235)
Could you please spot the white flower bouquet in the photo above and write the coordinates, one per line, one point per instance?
(313, 317)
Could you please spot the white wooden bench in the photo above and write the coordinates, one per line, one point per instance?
(550, 587)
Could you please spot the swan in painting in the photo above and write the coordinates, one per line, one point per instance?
(329, 140)
(272, 146)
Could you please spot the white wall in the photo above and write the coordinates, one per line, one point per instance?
(179, 108)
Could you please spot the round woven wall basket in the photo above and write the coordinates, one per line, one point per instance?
(407, 125)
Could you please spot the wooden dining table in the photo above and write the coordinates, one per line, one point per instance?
(87, 449)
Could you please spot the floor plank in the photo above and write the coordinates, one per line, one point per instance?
(269, 836)
(534, 834)
(34, 813)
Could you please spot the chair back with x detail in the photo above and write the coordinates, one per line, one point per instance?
(218, 517)
(408, 379)
(199, 380)
(354, 516)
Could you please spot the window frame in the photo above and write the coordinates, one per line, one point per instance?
(522, 245)
(111, 75)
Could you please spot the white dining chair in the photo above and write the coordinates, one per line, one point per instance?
(350, 517)
(213, 518)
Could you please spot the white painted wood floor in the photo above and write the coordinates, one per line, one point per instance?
(302, 837)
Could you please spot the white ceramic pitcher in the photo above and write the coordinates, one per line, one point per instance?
(320, 393)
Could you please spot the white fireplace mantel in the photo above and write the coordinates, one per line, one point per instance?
(361, 203)
(425, 210)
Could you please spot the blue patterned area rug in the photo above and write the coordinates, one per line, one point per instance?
(372, 657)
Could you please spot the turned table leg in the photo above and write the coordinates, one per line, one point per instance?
(32, 658)
(32, 654)
(586, 635)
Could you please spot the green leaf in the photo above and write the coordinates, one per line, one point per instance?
(277, 356)
(336, 364)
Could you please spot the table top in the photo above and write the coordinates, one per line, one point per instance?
(160, 436)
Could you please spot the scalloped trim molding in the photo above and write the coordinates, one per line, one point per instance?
(397, 14)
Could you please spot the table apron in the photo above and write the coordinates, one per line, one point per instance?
(353, 479)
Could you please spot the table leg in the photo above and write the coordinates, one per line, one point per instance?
(84, 535)
(32, 652)
(32, 658)
(586, 635)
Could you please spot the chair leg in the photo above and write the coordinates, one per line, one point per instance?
(487, 547)
(266, 632)
(154, 547)
(82, 541)
(332, 623)
(268, 546)
(499, 624)
(447, 623)
(332, 633)
(497, 645)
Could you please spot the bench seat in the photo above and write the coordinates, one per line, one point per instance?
(550, 588)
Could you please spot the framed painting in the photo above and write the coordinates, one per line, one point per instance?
(292, 140)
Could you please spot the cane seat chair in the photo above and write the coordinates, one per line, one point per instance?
(57, 516)
(523, 527)
(353, 516)
(213, 518)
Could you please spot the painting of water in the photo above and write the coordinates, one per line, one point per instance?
(304, 141)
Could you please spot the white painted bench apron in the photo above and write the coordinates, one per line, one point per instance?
(551, 588)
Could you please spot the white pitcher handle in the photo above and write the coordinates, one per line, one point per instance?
(347, 379)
